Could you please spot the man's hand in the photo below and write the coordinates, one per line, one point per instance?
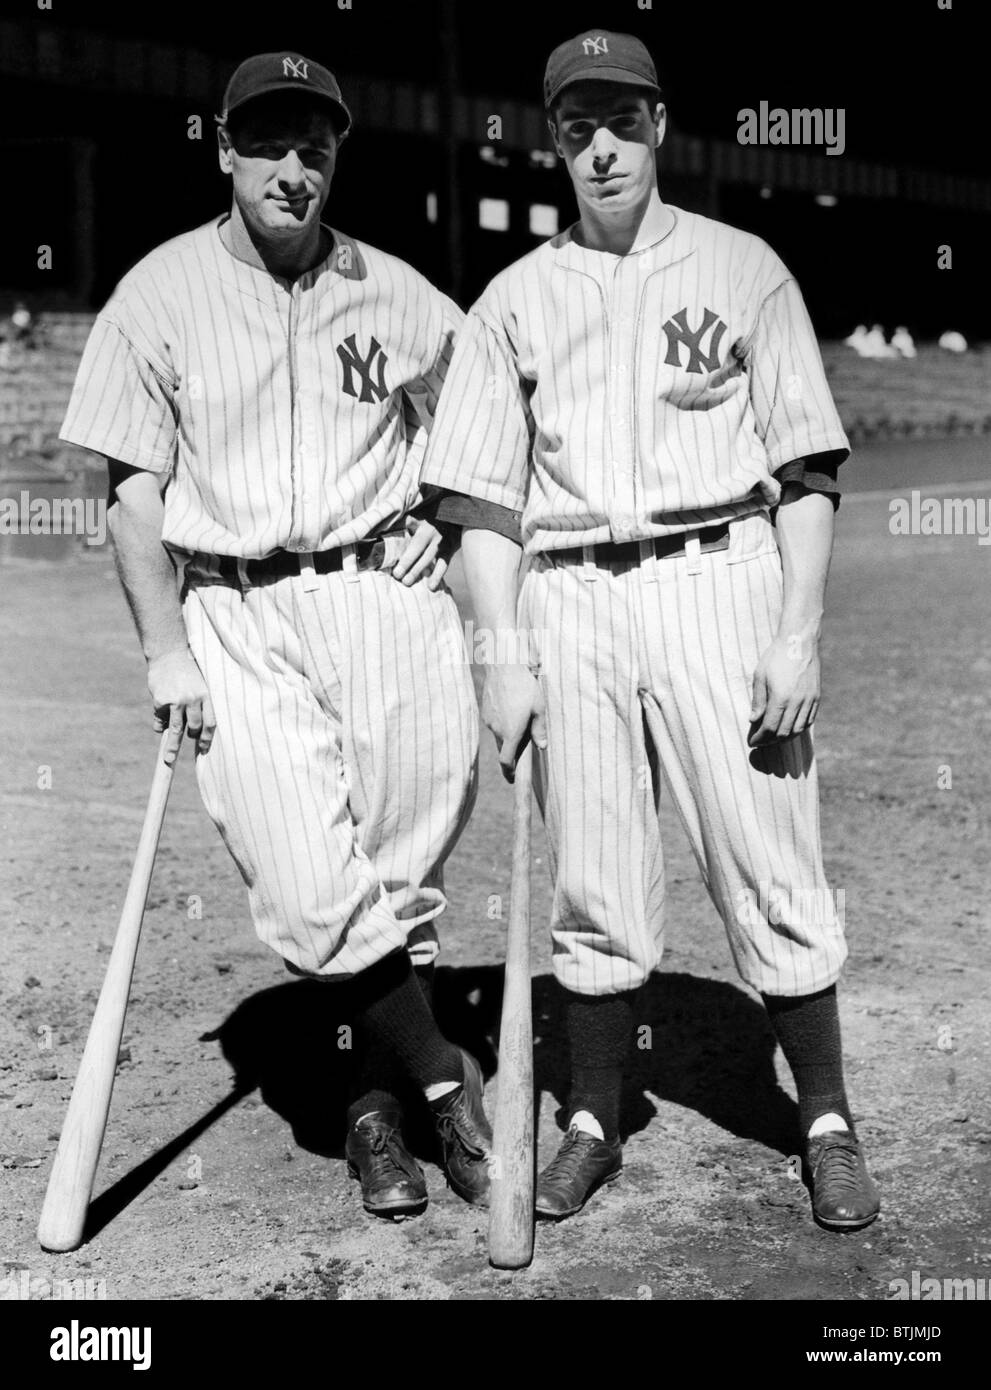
(785, 690)
(425, 554)
(180, 697)
(513, 708)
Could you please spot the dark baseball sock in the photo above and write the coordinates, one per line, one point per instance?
(377, 1078)
(808, 1029)
(392, 1012)
(599, 1029)
(425, 979)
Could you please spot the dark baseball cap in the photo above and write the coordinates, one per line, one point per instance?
(284, 72)
(598, 55)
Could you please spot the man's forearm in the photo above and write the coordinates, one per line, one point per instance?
(147, 574)
(492, 565)
(805, 539)
(512, 702)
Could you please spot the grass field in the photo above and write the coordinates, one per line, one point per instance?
(936, 393)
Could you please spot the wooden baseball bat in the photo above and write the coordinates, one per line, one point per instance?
(70, 1186)
(511, 1214)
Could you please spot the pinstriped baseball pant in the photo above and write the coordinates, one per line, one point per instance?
(344, 764)
(646, 671)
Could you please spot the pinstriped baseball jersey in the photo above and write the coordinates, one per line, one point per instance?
(292, 415)
(288, 414)
(623, 397)
(616, 398)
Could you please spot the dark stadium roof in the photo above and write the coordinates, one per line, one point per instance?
(909, 74)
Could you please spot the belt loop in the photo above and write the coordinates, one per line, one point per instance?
(648, 561)
(349, 564)
(693, 554)
(588, 564)
(392, 548)
(308, 574)
(736, 530)
(242, 574)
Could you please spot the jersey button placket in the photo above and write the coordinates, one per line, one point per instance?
(650, 341)
(295, 542)
(631, 297)
(313, 522)
(624, 493)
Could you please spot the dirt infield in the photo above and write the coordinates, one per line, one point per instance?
(222, 1175)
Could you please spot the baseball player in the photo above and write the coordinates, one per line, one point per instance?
(261, 388)
(646, 390)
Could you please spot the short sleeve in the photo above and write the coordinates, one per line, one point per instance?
(474, 514)
(482, 435)
(817, 474)
(424, 393)
(122, 403)
(794, 409)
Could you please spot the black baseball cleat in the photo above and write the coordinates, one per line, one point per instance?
(465, 1136)
(392, 1182)
(844, 1197)
(582, 1164)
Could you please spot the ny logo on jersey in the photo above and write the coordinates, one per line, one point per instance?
(678, 333)
(295, 67)
(598, 45)
(352, 361)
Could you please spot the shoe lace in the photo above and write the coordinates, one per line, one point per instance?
(386, 1146)
(456, 1128)
(840, 1165)
(565, 1164)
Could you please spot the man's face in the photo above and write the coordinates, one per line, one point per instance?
(280, 152)
(607, 133)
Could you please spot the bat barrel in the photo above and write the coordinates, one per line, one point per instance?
(511, 1211)
(63, 1215)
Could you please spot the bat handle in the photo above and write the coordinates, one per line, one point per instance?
(522, 822)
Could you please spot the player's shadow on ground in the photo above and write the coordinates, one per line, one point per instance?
(704, 1044)
(711, 1050)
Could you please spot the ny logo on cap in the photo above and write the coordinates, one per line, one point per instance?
(295, 67)
(678, 334)
(598, 45)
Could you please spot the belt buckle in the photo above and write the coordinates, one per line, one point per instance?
(375, 555)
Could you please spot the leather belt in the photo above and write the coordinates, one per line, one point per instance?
(369, 555)
(662, 547)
